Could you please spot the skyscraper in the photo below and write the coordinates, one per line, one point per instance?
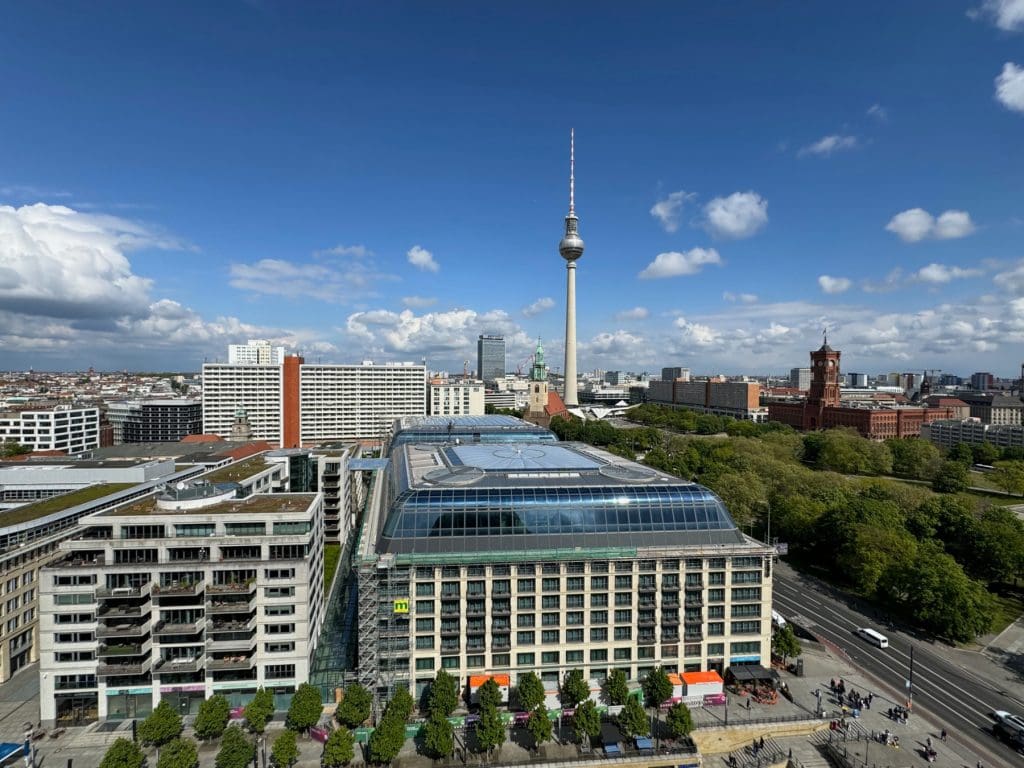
(490, 357)
(571, 248)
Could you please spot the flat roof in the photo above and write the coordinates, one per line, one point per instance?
(59, 503)
(258, 503)
(240, 470)
(194, 451)
(517, 456)
(55, 463)
(463, 422)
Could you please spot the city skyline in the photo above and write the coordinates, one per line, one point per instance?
(359, 182)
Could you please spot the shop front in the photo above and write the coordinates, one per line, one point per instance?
(184, 698)
(76, 708)
(129, 703)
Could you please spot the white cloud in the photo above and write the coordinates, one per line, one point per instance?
(877, 111)
(615, 344)
(423, 259)
(674, 263)
(540, 305)
(834, 284)
(357, 251)
(667, 211)
(891, 282)
(1010, 87)
(916, 224)
(696, 334)
(940, 273)
(742, 298)
(1008, 15)
(1012, 280)
(340, 279)
(737, 216)
(636, 313)
(419, 302)
(826, 145)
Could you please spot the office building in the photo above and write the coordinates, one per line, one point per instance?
(546, 557)
(34, 479)
(490, 358)
(180, 596)
(154, 421)
(855, 380)
(949, 433)
(982, 381)
(993, 408)
(297, 404)
(466, 429)
(68, 428)
(676, 373)
(736, 399)
(451, 397)
(800, 378)
(255, 352)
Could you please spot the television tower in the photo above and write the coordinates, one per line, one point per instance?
(571, 248)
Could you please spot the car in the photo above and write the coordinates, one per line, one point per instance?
(1009, 727)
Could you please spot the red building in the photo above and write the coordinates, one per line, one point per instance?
(822, 408)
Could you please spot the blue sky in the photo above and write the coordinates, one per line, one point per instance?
(388, 180)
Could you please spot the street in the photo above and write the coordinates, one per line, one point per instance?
(956, 697)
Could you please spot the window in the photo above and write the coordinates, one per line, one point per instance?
(746, 594)
(574, 618)
(550, 620)
(66, 599)
(599, 654)
(623, 633)
(599, 567)
(746, 627)
(425, 625)
(526, 585)
(247, 529)
(424, 606)
(623, 654)
(549, 657)
(279, 629)
(746, 577)
(599, 617)
(574, 657)
(424, 572)
(525, 620)
(526, 569)
(424, 589)
(279, 610)
(524, 638)
(716, 628)
(746, 562)
(574, 584)
(526, 603)
(279, 573)
(298, 527)
(574, 601)
(598, 635)
(549, 636)
(746, 610)
(422, 664)
(624, 617)
(599, 582)
(449, 662)
(549, 602)
(716, 578)
(550, 569)
(623, 582)
(524, 659)
(645, 652)
(279, 671)
(691, 650)
(716, 649)
(551, 585)
(716, 595)
(449, 589)
(279, 591)
(735, 648)
(716, 611)
(476, 661)
(501, 587)
(599, 601)
(279, 647)
(623, 598)
(574, 635)
(501, 659)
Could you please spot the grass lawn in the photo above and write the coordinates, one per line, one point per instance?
(1009, 607)
(332, 554)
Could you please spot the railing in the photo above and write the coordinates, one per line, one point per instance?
(181, 590)
(229, 663)
(234, 588)
(121, 630)
(113, 670)
(104, 593)
(178, 666)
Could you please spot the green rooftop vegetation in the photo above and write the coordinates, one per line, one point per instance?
(257, 503)
(46, 507)
(239, 471)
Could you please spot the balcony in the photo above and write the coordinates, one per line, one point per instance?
(230, 663)
(123, 650)
(670, 621)
(670, 637)
(450, 629)
(696, 586)
(234, 588)
(501, 610)
(645, 640)
(112, 669)
(233, 626)
(182, 590)
(450, 610)
(500, 643)
(184, 665)
(180, 627)
(122, 630)
(230, 606)
(670, 602)
(128, 593)
(123, 611)
(245, 643)
(691, 636)
(694, 600)
(646, 621)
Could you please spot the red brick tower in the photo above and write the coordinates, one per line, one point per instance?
(824, 392)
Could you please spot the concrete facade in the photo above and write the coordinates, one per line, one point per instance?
(69, 428)
(456, 398)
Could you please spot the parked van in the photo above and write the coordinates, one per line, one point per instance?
(875, 638)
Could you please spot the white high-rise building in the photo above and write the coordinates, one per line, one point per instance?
(255, 352)
(68, 428)
(456, 398)
(255, 389)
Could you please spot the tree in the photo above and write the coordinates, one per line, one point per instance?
(339, 749)
(123, 753)
(236, 751)
(785, 643)
(306, 707)
(574, 689)
(679, 720)
(616, 687)
(400, 706)
(386, 740)
(162, 725)
(438, 735)
(962, 453)
(490, 731)
(633, 720)
(354, 709)
(285, 751)
(489, 692)
(444, 694)
(259, 711)
(586, 721)
(529, 692)
(1009, 475)
(539, 725)
(212, 718)
(179, 753)
(951, 477)
(913, 457)
(657, 687)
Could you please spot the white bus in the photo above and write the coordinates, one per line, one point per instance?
(875, 638)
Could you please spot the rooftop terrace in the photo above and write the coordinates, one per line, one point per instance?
(239, 471)
(260, 503)
(59, 503)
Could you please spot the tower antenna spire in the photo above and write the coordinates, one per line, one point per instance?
(572, 171)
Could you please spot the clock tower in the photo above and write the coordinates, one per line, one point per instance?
(824, 392)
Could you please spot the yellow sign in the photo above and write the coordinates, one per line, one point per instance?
(401, 606)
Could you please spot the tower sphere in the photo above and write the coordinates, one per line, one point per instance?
(571, 247)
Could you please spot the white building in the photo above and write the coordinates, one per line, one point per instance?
(179, 597)
(256, 389)
(255, 352)
(68, 428)
(456, 398)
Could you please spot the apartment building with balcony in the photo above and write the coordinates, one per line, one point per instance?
(546, 557)
(180, 596)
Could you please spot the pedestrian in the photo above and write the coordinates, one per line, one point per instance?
(928, 742)
(761, 745)
(943, 734)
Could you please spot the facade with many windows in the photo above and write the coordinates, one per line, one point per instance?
(449, 397)
(517, 557)
(181, 596)
(68, 428)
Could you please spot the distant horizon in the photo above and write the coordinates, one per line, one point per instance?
(364, 181)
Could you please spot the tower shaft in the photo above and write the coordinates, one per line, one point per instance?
(570, 336)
